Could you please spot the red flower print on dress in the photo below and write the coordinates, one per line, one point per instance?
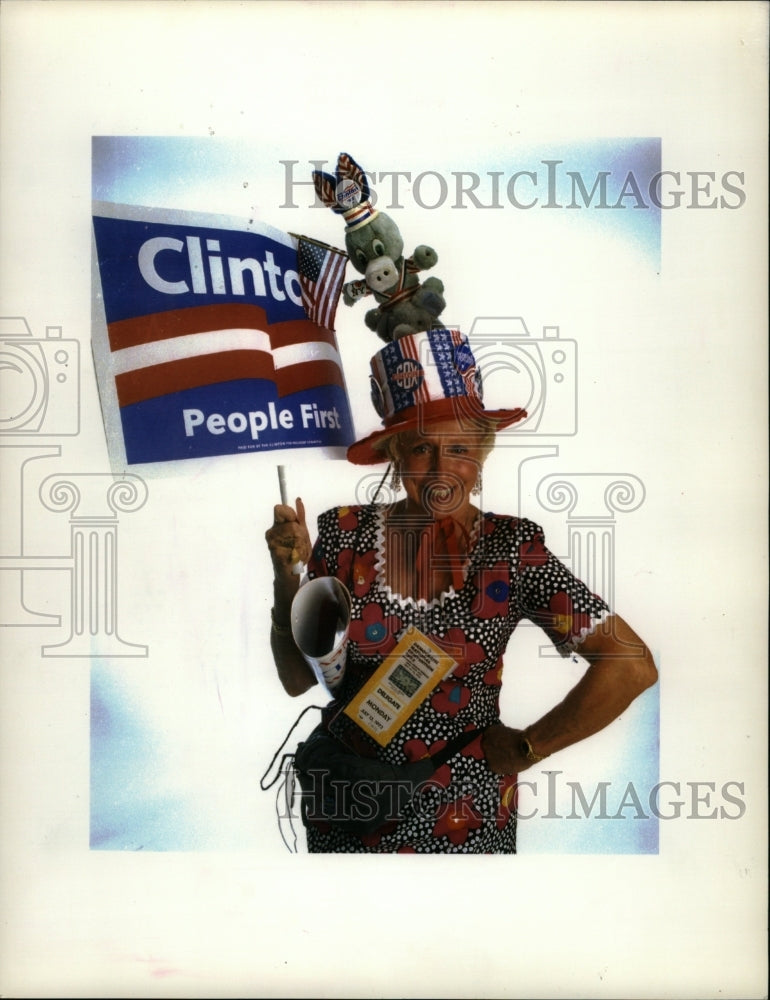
(457, 819)
(494, 677)
(322, 825)
(372, 839)
(533, 552)
(565, 621)
(450, 697)
(493, 590)
(461, 649)
(474, 748)
(418, 750)
(347, 518)
(357, 568)
(375, 632)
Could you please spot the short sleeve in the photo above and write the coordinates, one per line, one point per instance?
(551, 596)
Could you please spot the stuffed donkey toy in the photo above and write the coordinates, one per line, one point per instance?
(376, 249)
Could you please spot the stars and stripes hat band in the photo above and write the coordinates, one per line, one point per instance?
(360, 215)
(422, 379)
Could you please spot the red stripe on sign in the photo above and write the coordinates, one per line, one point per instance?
(206, 319)
(309, 375)
(300, 331)
(188, 373)
(182, 322)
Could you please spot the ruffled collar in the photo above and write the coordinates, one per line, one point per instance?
(443, 546)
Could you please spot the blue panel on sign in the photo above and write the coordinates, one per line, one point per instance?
(237, 417)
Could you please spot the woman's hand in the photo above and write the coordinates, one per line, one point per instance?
(503, 751)
(289, 544)
(288, 539)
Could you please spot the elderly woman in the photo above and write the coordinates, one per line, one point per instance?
(463, 578)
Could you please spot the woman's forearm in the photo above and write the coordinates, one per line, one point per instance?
(603, 693)
(294, 672)
(620, 669)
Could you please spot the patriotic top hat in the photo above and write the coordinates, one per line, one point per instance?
(424, 378)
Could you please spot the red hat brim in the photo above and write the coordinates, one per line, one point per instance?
(471, 419)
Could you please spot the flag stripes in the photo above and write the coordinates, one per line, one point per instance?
(321, 273)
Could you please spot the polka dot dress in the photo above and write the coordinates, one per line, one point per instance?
(509, 575)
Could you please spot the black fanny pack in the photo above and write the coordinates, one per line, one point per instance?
(360, 794)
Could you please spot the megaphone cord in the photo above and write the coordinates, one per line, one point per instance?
(296, 722)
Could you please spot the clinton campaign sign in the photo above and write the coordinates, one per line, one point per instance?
(213, 336)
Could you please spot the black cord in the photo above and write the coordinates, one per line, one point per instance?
(286, 791)
(297, 721)
(381, 483)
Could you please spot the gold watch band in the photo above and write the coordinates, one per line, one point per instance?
(528, 750)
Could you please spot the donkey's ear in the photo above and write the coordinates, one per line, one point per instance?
(348, 169)
(326, 188)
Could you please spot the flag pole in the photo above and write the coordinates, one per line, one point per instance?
(318, 243)
(298, 568)
(282, 484)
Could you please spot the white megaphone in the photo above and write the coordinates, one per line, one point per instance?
(320, 626)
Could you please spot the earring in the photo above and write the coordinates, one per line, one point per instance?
(477, 485)
(395, 479)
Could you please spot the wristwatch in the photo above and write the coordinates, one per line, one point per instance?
(528, 751)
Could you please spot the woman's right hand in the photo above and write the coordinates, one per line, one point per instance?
(289, 544)
(502, 749)
(288, 538)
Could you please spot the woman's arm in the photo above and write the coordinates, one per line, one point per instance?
(289, 542)
(620, 668)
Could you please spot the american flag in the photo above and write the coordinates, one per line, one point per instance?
(321, 271)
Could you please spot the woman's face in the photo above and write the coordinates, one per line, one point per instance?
(439, 468)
